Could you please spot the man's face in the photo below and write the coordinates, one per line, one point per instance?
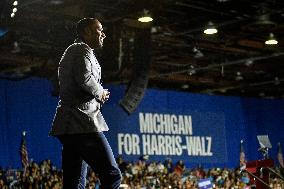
(96, 35)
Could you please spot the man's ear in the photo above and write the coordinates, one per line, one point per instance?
(87, 31)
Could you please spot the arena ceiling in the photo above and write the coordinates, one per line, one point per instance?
(234, 62)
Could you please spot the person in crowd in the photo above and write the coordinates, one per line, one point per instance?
(179, 168)
(169, 164)
(121, 164)
(3, 184)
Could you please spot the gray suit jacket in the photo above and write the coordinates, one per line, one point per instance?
(78, 110)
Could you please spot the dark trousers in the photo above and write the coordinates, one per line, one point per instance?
(93, 149)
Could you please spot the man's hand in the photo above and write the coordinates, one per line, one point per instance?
(105, 95)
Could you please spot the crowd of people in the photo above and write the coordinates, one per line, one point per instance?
(142, 174)
(35, 176)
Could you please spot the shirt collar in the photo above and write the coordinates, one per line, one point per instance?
(78, 40)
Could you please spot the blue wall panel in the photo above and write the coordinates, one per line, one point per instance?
(27, 105)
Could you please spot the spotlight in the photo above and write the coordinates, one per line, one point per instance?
(223, 90)
(15, 3)
(191, 70)
(12, 15)
(261, 94)
(56, 2)
(264, 20)
(154, 29)
(15, 10)
(271, 40)
(185, 86)
(276, 81)
(16, 47)
(210, 29)
(197, 53)
(248, 63)
(145, 17)
(239, 76)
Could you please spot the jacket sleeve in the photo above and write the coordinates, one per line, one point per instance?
(83, 74)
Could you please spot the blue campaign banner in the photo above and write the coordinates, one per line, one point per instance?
(179, 135)
(205, 184)
(201, 130)
(163, 130)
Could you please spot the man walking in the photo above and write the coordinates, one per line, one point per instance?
(78, 122)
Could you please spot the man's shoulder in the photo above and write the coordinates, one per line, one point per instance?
(79, 48)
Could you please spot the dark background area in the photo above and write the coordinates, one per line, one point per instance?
(233, 62)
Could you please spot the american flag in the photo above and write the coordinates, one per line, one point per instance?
(242, 156)
(23, 151)
(280, 155)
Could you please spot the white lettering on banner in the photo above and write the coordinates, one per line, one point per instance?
(165, 124)
(164, 134)
(128, 143)
(199, 146)
(156, 120)
(178, 148)
(161, 145)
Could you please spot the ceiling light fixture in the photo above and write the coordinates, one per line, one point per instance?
(14, 10)
(222, 1)
(16, 47)
(197, 53)
(145, 17)
(15, 3)
(264, 19)
(185, 86)
(210, 29)
(248, 63)
(261, 94)
(223, 90)
(276, 81)
(56, 2)
(271, 40)
(191, 70)
(239, 76)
